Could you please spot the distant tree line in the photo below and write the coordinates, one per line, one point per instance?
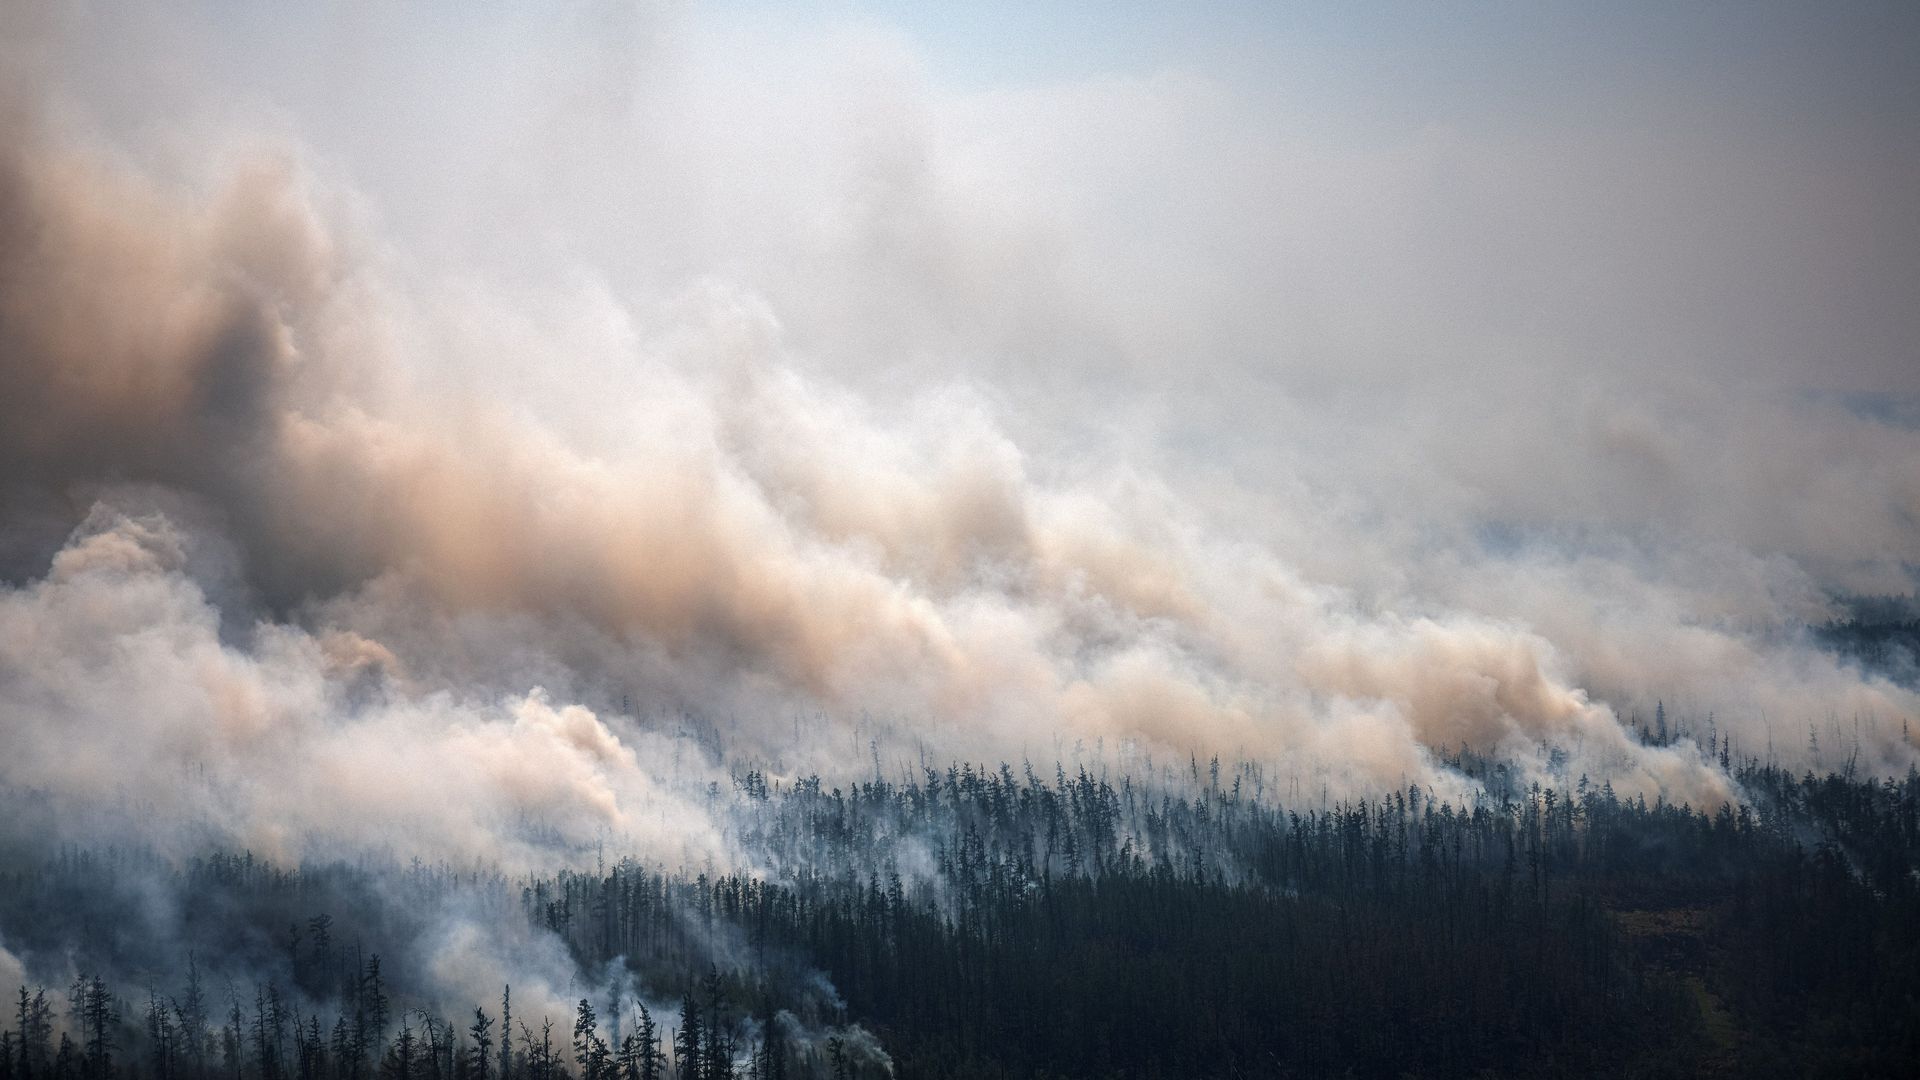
(977, 922)
(1879, 633)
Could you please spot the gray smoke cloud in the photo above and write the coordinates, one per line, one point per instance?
(775, 417)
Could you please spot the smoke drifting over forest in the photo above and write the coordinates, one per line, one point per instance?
(511, 442)
(838, 461)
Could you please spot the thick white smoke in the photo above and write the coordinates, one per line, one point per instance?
(892, 450)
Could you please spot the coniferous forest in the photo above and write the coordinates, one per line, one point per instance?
(978, 922)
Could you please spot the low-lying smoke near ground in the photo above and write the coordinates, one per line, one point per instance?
(507, 445)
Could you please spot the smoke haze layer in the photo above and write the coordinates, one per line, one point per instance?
(652, 414)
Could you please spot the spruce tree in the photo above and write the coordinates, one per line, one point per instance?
(589, 1049)
(688, 1042)
(506, 1032)
(650, 1055)
(719, 1049)
(481, 1032)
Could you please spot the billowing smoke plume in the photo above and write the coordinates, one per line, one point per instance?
(293, 520)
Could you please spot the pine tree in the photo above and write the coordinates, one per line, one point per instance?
(627, 1057)
(191, 1013)
(688, 1042)
(343, 1047)
(481, 1032)
(719, 1049)
(100, 1021)
(66, 1063)
(538, 1058)
(162, 1044)
(40, 1031)
(506, 1032)
(320, 965)
(35, 1018)
(374, 1005)
(398, 1063)
(589, 1049)
(24, 1018)
(313, 1052)
(650, 1054)
(231, 1037)
(773, 1044)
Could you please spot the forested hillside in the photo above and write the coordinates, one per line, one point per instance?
(980, 922)
(1880, 633)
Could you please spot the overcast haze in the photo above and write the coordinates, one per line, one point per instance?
(573, 399)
